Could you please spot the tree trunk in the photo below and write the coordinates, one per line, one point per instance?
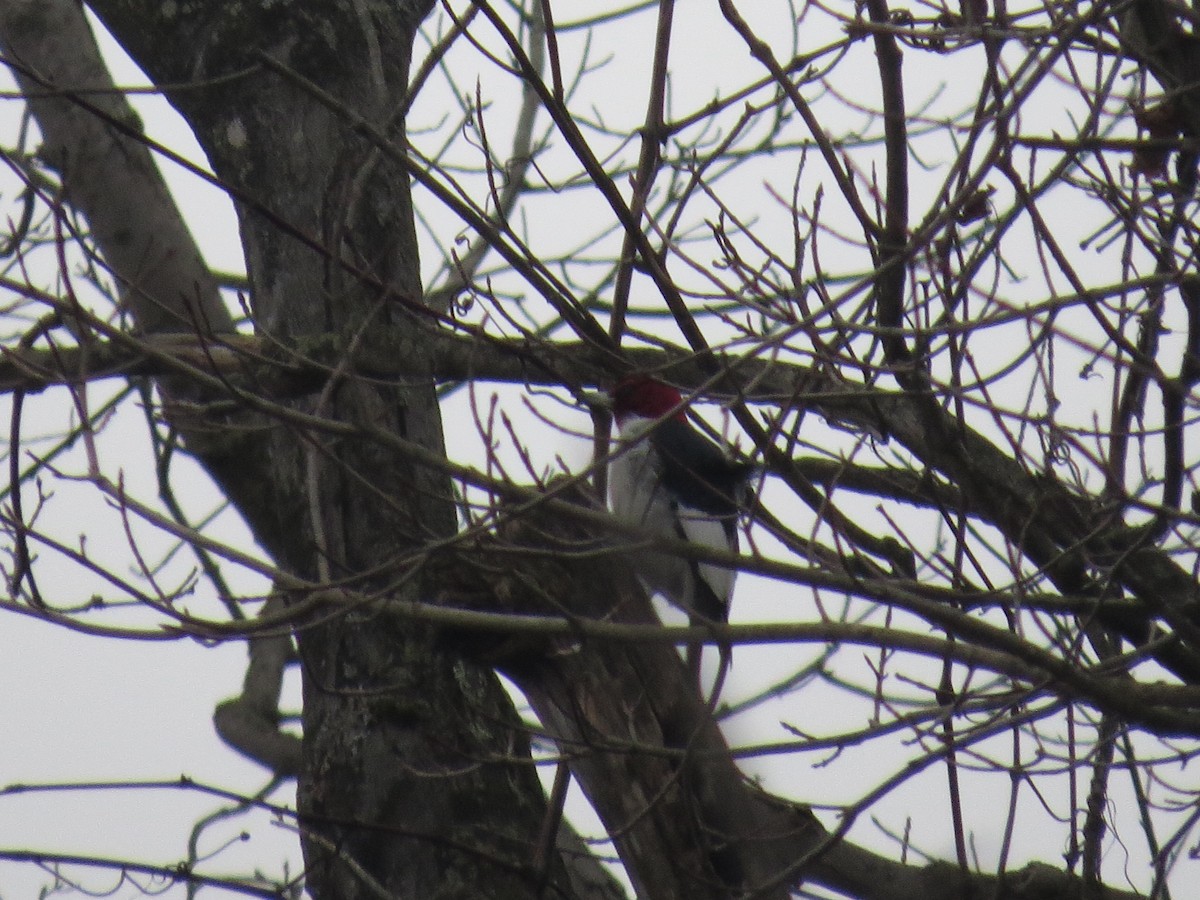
(416, 779)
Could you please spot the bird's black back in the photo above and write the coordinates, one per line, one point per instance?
(697, 474)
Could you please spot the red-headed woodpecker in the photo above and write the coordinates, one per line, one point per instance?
(670, 479)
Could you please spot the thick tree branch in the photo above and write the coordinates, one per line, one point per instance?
(250, 722)
(108, 177)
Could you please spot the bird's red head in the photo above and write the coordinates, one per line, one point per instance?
(645, 397)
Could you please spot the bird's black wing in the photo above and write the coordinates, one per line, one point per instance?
(695, 471)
